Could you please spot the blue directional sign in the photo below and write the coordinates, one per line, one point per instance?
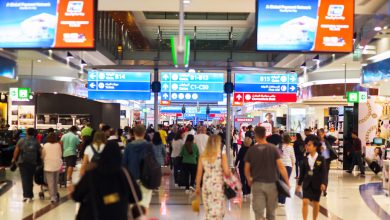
(190, 87)
(118, 85)
(266, 83)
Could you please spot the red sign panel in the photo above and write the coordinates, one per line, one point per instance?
(265, 97)
(243, 119)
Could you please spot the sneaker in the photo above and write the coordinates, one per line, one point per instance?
(192, 188)
(281, 205)
(27, 200)
(187, 191)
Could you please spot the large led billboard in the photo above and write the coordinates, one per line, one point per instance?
(305, 25)
(375, 72)
(47, 24)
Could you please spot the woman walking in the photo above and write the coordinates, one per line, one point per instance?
(246, 190)
(190, 154)
(288, 159)
(104, 192)
(177, 146)
(159, 148)
(212, 166)
(92, 152)
(299, 151)
(313, 176)
(52, 162)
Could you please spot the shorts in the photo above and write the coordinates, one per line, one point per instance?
(312, 194)
(70, 161)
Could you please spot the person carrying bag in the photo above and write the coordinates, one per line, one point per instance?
(106, 191)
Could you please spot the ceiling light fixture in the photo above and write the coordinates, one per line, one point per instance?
(186, 1)
(39, 61)
(377, 28)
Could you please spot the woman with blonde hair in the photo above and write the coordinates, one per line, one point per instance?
(92, 152)
(213, 166)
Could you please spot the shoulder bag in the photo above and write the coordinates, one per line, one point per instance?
(136, 212)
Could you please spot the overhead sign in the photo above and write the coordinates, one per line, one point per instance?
(257, 87)
(47, 24)
(118, 85)
(357, 97)
(305, 25)
(190, 87)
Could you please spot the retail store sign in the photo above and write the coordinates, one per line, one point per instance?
(20, 94)
(244, 120)
(357, 97)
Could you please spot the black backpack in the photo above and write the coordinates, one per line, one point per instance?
(29, 151)
(96, 155)
(150, 170)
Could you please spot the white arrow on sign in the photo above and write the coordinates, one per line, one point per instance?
(165, 95)
(92, 75)
(92, 85)
(292, 79)
(292, 88)
(165, 77)
(165, 86)
(239, 97)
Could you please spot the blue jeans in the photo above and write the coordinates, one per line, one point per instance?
(282, 198)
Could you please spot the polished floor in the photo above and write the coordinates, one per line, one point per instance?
(349, 197)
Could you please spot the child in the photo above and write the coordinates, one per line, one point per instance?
(313, 176)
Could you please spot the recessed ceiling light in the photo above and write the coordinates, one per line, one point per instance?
(39, 60)
(377, 28)
(186, 1)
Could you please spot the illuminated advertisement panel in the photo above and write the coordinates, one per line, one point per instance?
(305, 25)
(47, 24)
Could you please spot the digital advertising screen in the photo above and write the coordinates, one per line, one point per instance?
(47, 24)
(305, 25)
(375, 72)
(7, 68)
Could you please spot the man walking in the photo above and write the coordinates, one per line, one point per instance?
(132, 159)
(262, 167)
(27, 156)
(69, 143)
(201, 139)
(356, 154)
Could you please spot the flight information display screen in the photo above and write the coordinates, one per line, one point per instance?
(305, 25)
(47, 24)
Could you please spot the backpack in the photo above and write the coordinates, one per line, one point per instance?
(150, 170)
(96, 156)
(29, 151)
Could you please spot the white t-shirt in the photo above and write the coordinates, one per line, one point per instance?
(201, 141)
(52, 157)
(177, 146)
(89, 152)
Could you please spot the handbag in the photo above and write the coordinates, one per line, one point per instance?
(136, 212)
(231, 186)
(283, 189)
